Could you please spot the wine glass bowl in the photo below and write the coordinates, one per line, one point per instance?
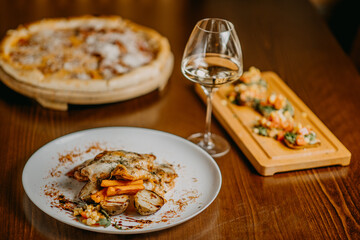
(212, 57)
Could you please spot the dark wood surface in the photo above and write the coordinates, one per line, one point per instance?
(287, 37)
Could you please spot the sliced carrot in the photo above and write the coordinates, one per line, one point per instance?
(280, 136)
(274, 117)
(287, 125)
(129, 189)
(83, 214)
(112, 183)
(99, 195)
(274, 125)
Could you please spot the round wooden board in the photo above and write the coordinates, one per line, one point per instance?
(59, 99)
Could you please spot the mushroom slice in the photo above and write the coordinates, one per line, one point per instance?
(115, 205)
(148, 202)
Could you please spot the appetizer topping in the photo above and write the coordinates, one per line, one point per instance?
(274, 124)
(301, 137)
(250, 89)
(246, 95)
(253, 75)
(277, 112)
(274, 102)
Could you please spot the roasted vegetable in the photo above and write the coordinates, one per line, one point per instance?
(148, 202)
(99, 195)
(115, 205)
(129, 189)
(88, 189)
(113, 183)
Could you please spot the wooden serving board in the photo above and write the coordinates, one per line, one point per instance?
(267, 155)
(59, 99)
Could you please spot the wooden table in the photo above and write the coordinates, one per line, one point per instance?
(287, 37)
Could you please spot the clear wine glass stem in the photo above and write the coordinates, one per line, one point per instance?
(207, 135)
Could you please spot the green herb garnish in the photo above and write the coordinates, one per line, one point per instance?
(78, 217)
(265, 110)
(263, 83)
(290, 137)
(311, 137)
(105, 213)
(117, 226)
(262, 130)
(289, 108)
(105, 222)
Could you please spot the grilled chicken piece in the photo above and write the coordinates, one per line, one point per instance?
(130, 173)
(135, 165)
(148, 202)
(162, 179)
(115, 205)
(75, 173)
(166, 172)
(88, 189)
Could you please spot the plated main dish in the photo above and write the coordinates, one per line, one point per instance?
(82, 179)
(277, 113)
(115, 180)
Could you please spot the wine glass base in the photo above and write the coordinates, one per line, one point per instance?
(216, 148)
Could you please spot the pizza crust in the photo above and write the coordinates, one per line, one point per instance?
(35, 78)
(59, 99)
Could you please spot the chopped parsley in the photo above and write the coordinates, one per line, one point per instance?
(311, 138)
(265, 110)
(105, 222)
(262, 130)
(289, 108)
(290, 137)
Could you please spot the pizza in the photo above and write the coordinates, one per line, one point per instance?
(85, 54)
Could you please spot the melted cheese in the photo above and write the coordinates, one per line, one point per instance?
(91, 50)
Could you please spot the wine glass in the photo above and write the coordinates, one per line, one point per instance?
(212, 57)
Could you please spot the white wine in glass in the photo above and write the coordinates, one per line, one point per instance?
(212, 57)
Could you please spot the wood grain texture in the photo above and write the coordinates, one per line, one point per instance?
(286, 37)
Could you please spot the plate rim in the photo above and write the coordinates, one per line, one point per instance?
(124, 232)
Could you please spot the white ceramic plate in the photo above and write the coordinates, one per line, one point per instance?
(197, 185)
